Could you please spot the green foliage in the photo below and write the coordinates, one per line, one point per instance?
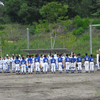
(2, 27)
(53, 10)
(2, 20)
(81, 22)
(85, 37)
(96, 21)
(79, 31)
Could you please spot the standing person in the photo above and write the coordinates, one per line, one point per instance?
(8, 64)
(86, 60)
(98, 61)
(17, 64)
(60, 61)
(49, 62)
(1, 65)
(37, 62)
(70, 62)
(4, 64)
(33, 62)
(53, 62)
(23, 65)
(79, 62)
(73, 60)
(13, 64)
(45, 61)
(29, 62)
(55, 55)
(41, 62)
(91, 63)
(67, 61)
(63, 61)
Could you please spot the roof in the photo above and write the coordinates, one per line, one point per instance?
(59, 50)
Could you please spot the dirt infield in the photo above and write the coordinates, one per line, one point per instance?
(76, 86)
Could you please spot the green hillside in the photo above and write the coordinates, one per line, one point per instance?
(40, 37)
(52, 24)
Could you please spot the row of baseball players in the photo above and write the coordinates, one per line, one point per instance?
(44, 63)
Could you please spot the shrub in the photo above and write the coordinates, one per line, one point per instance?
(32, 30)
(78, 21)
(2, 27)
(86, 22)
(79, 31)
(96, 21)
(85, 37)
(81, 22)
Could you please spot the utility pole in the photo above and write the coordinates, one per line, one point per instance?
(1, 46)
(27, 39)
(90, 39)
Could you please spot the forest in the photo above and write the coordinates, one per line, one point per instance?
(65, 21)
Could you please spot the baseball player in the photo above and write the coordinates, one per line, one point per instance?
(73, 60)
(17, 64)
(8, 64)
(23, 66)
(4, 64)
(98, 61)
(63, 61)
(79, 62)
(37, 63)
(1, 65)
(53, 62)
(60, 61)
(45, 61)
(91, 63)
(29, 62)
(86, 60)
(41, 62)
(67, 61)
(13, 64)
(33, 62)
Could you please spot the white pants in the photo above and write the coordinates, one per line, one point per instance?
(73, 67)
(53, 67)
(37, 67)
(30, 69)
(23, 68)
(86, 66)
(67, 66)
(42, 65)
(60, 67)
(17, 67)
(45, 68)
(32, 65)
(13, 67)
(98, 65)
(4, 68)
(79, 66)
(91, 66)
(0, 68)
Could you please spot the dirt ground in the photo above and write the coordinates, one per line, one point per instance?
(76, 86)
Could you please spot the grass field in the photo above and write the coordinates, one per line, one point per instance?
(76, 86)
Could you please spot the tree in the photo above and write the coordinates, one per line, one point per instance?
(51, 12)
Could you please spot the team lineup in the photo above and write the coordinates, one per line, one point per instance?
(43, 63)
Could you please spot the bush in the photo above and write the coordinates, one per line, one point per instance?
(32, 30)
(79, 31)
(78, 21)
(85, 37)
(96, 21)
(2, 27)
(86, 22)
(2, 20)
(81, 22)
